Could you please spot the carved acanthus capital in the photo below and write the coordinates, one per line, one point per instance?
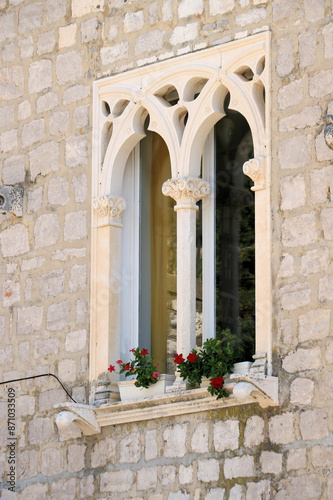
(186, 191)
(110, 208)
(255, 169)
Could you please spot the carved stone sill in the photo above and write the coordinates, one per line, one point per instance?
(90, 420)
(263, 388)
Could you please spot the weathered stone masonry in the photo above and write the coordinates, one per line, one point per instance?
(51, 51)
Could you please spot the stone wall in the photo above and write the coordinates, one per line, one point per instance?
(51, 52)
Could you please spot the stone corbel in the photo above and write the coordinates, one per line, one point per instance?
(76, 417)
(109, 210)
(255, 169)
(11, 200)
(186, 191)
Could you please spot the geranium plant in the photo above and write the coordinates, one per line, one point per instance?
(142, 367)
(214, 360)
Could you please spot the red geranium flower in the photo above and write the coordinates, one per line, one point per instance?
(127, 367)
(111, 368)
(192, 357)
(217, 382)
(144, 352)
(155, 375)
(132, 350)
(179, 359)
(119, 362)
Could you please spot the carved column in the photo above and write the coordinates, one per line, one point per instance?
(186, 192)
(106, 256)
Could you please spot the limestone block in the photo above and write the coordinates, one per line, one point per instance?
(58, 191)
(299, 230)
(78, 278)
(26, 47)
(327, 32)
(52, 462)
(87, 487)
(75, 93)
(330, 486)
(52, 283)
(285, 56)
(296, 459)
(185, 474)
(40, 75)
(271, 462)
(313, 424)
(67, 35)
(199, 442)
(130, 448)
(321, 84)
(103, 453)
(6, 355)
(133, 21)
(28, 465)
(41, 430)
(314, 325)
(67, 370)
(111, 54)
(44, 159)
(188, 8)
(153, 12)
(261, 489)
(116, 481)
(14, 240)
(282, 9)
(168, 475)
(291, 94)
(35, 199)
(34, 263)
(281, 428)
(63, 489)
(315, 261)
(11, 82)
(8, 140)
(76, 341)
(177, 496)
(10, 292)
(308, 117)
(326, 218)
(46, 230)
(6, 116)
(81, 311)
(45, 348)
(322, 456)
(292, 189)
(29, 319)
(113, 32)
(302, 360)
(147, 478)
(59, 123)
(208, 470)
(175, 440)
(295, 152)
(69, 67)
(295, 295)
(328, 352)
(307, 48)
(2, 326)
(46, 42)
(55, 10)
(239, 467)
(182, 34)
(76, 457)
(76, 151)
(79, 394)
(80, 188)
(226, 435)
(321, 184)
(325, 291)
(13, 170)
(325, 385)
(252, 16)
(30, 18)
(286, 269)
(215, 494)
(151, 445)
(314, 11)
(237, 492)
(36, 491)
(322, 151)
(75, 226)
(89, 30)
(47, 101)
(32, 132)
(58, 316)
(68, 254)
(82, 7)
(8, 52)
(167, 13)
(48, 399)
(7, 26)
(221, 6)
(81, 116)
(254, 431)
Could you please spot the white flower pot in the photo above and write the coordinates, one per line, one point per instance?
(128, 391)
(242, 367)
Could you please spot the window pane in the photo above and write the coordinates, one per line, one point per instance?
(234, 233)
(199, 276)
(157, 256)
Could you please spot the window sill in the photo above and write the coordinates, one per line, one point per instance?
(244, 389)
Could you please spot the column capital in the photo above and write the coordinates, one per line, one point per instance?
(255, 169)
(109, 209)
(187, 191)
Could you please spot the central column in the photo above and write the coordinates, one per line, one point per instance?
(186, 192)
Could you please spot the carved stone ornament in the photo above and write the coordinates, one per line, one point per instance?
(186, 191)
(76, 418)
(11, 200)
(110, 206)
(255, 169)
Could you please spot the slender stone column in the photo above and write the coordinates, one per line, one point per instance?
(186, 192)
(106, 256)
